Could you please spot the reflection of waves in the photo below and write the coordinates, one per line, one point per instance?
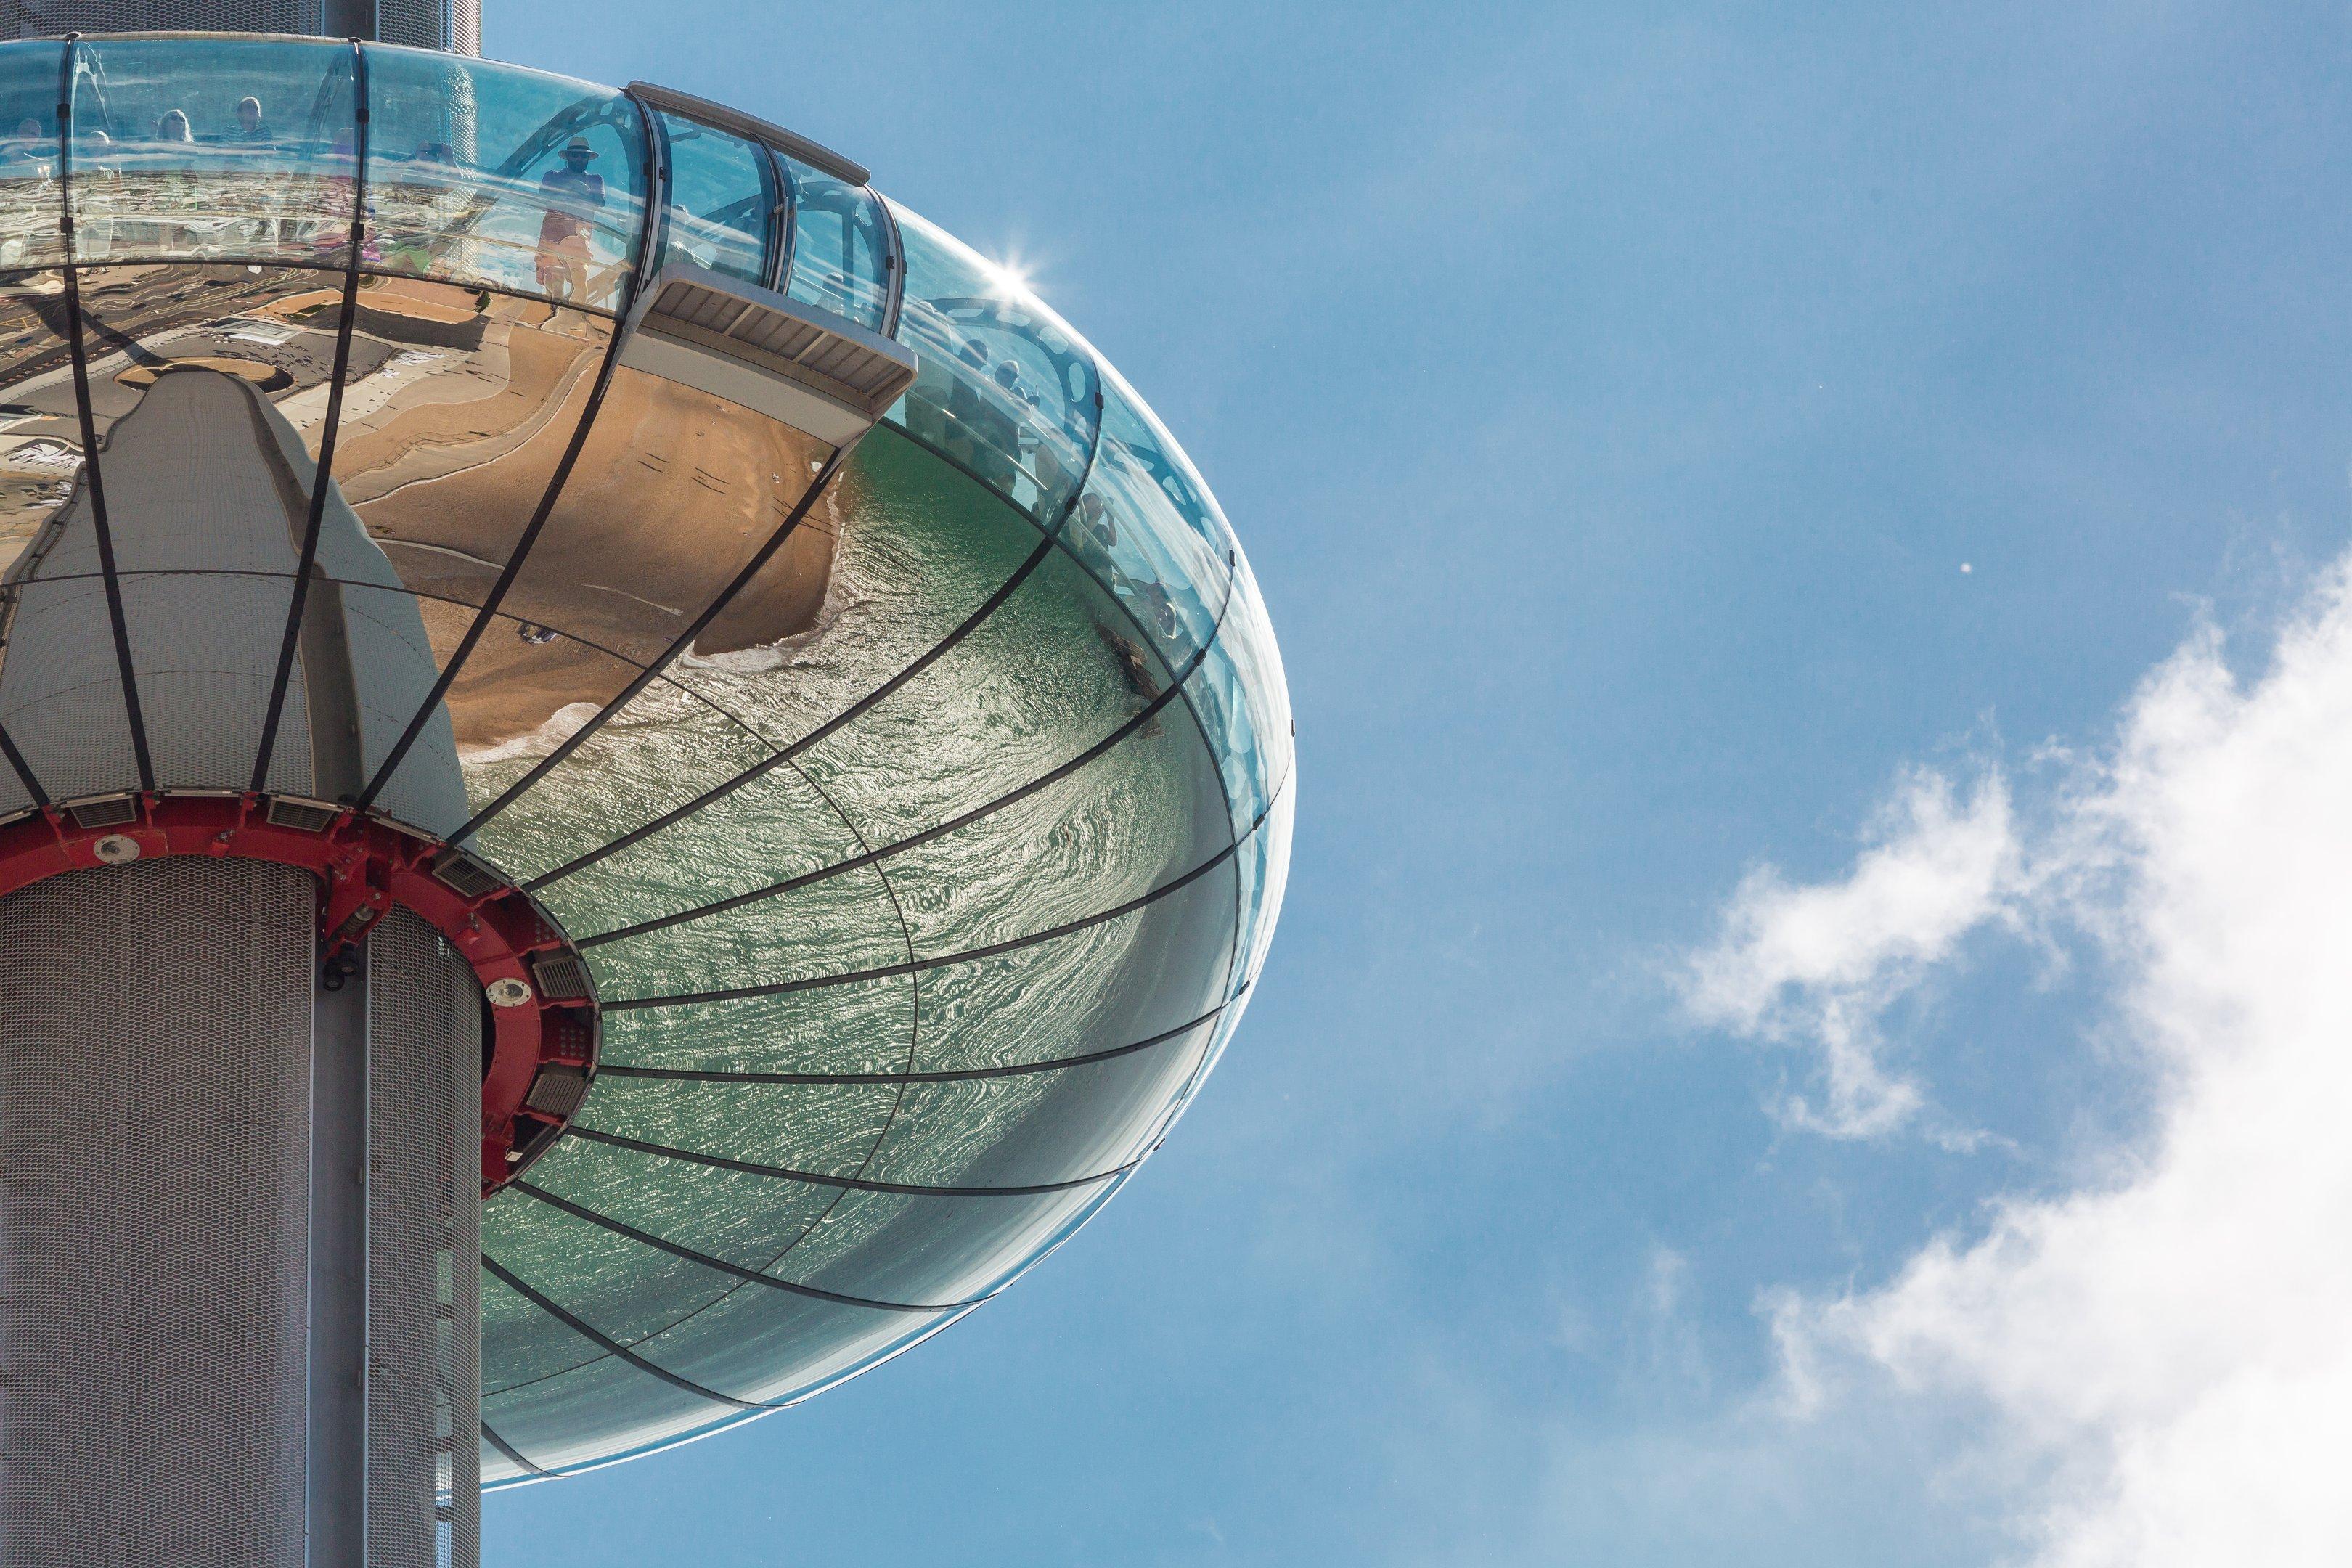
(1035, 686)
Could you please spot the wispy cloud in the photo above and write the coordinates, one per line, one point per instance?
(2162, 1359)
(1821, 964)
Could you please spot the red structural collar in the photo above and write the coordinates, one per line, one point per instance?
(542, 1000)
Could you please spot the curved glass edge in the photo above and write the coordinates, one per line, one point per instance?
(1271, 834)
(1006, 388)
(243, 150)
(1138, 515)
(726, 1422)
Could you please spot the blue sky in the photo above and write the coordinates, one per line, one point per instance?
(1674, 442)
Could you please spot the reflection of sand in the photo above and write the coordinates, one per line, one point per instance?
(672, 492)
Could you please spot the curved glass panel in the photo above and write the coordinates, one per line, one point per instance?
(927, 785)
(510, 178)
(722, 193)
(838, 250)
(1144, 528)
(244, 151)
(1006, 389)
(30, 196)
(920, 556)
(1255, 704)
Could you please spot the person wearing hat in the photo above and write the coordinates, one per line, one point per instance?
(571, 195)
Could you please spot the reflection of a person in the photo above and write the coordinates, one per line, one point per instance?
(570, 194)
(996, 430)
(174, 127)
(30, 144)
(250, 127)
(1094, 534)
(29, 153)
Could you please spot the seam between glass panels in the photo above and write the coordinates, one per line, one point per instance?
(648, 673)
(914, 1021)
(762, 769)
(596, 1336)
(489, 1434)
(873, 856)
(1060, 538)
(852, 1183)
(943, 1075)
(1011, 944)
(546, 509)
(1199, 1074)
(749, 1276)
(893, 265)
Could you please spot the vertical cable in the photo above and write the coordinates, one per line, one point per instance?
(89, 424)
(24, 769)
(655, 199)
(322, 478)
(677, 647)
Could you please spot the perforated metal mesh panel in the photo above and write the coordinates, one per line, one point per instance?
(425, 1066)
(53, 18)
(431, 23)
(426, 24)
(154, 1080)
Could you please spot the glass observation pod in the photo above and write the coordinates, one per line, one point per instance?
(793, 607)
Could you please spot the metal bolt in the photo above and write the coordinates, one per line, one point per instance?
(507, 993)
(116, 849)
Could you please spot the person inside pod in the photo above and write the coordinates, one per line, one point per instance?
(569, 194)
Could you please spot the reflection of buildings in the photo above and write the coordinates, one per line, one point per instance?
(759, 754)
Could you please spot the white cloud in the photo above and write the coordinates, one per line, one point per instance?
(1822, 963)
(2162, 1360)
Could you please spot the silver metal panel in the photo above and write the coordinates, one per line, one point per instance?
(154, 1087)
(207, 519)
(423, 1316)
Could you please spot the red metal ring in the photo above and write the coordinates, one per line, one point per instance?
(543, 1036)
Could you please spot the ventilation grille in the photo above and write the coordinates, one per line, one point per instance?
(302, 816)
(557, 1091)
(155, 1158)
(111, 813)
(465, 874)
(864, 372)
(562, 976)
